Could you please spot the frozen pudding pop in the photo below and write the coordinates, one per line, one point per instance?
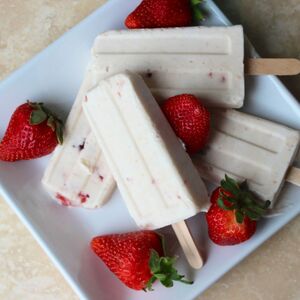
(156, 177)
(205, 61)
(247, 147)
(77, 174)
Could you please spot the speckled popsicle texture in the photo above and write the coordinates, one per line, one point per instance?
(26, 27)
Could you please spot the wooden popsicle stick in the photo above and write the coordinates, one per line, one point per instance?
(293, 176)
(272, 66)
(188, 245)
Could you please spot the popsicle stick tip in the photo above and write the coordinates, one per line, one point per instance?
(188, 245)
(272, 66)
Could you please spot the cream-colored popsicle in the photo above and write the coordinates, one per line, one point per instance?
(204, 61)
(247, 147)
(77, 174)
(156, 177)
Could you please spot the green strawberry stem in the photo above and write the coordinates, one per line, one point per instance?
(198, 15)
(41, 114)
(162, 269)
(242, 201)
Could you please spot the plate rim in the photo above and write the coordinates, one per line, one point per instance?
(10, 200)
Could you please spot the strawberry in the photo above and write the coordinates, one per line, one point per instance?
(233, 214)
(32, 132)
(164, 13)
(189, 119)
(136, 259)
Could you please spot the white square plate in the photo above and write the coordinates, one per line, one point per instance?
(54, 76)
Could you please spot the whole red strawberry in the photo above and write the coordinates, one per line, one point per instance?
(189, 119)
(32, 132)
(136, 259)
(233, 214)
(163, 13)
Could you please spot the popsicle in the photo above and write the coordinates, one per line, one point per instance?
(155, 176)
(204, 61)
(77, 174)
(247, 147)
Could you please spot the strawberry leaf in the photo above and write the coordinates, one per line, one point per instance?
(248, 201)
(37, 117)
(196, 2)
(167, 282)
(243, 201)
(252, 215)
(161, 277)
(51, 123)
(197, 13)
(154, 262)
(239, 216)
(40, 114)
(163, 243)
(232, 182)
(257, 209)
(230, 185)
(59, 132)
(162, 269)
(149, 284)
